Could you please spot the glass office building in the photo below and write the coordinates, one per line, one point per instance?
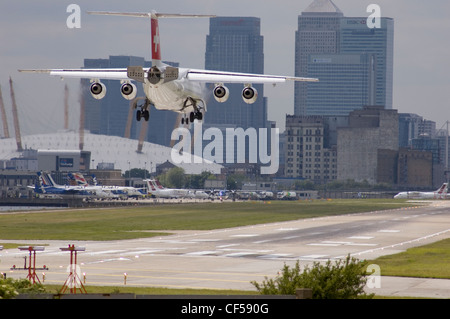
(353, 62)
(235, 44)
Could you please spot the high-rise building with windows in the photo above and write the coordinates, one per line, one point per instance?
(353, 61)
(235, 44)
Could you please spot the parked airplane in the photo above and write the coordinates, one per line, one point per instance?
(440, 193)
(197, 194)
(180, 90)
(155, 188)
(45, 185)
(115, 191)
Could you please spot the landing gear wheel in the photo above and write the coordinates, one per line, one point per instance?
(192, 117)
(146, 115)
(138, 115)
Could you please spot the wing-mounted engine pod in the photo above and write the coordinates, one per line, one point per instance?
(128, 91)
(155, 76)
(249, 95)
(221, 93)
(98, 90)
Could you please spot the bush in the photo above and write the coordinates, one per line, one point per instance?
(11, 288)
(345, 279)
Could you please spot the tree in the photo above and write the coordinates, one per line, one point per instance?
(175, 177)
(345, 279)
(11, 288)
(137, 173)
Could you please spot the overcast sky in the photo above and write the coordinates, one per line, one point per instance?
(34, 34)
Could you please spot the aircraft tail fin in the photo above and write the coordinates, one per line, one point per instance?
(154, 16)
(158, 184)
(443, 189)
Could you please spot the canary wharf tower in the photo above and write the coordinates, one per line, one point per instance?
(353, 61)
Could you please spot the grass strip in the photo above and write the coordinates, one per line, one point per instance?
(148, 221)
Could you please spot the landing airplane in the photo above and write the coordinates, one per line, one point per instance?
(180, 90)
(440, 193)
(156, 189)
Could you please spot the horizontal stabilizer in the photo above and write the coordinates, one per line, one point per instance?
(152, 14)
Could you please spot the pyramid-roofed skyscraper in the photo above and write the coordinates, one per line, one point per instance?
(353, 62)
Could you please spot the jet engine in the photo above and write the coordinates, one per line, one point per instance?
(221, 93)
(98, 90)
(249, 95)
(128, 91)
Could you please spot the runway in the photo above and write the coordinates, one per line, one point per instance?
(232, 258)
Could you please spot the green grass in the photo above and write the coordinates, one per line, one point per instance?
(149, 221)
(152, 291)
(429, 261)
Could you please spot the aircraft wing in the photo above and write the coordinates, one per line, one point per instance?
(100, 74)
(233, 77)
(192, 75)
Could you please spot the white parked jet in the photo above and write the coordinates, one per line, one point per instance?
(155, 188)
(168, 88)
(440, 193)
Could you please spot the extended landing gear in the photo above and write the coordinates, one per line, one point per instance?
(197, 114)
(144, 112)
(192, 116)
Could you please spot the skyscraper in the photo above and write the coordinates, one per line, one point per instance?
(235, 44)
(353, 61)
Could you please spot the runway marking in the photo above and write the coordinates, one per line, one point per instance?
(245, 235)
(142, 252)
(362, 244)
(361, 237)
(287, 229)
(263, 241)
(226, 246)
(340, 243)
(106, 252)
(106, 260)
(201, 253)
(313, 256)
(289, 237)
(388, 231)
(324, 244)
(240, 254)
(274, 256)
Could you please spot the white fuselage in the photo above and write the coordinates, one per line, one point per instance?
(173, 95)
